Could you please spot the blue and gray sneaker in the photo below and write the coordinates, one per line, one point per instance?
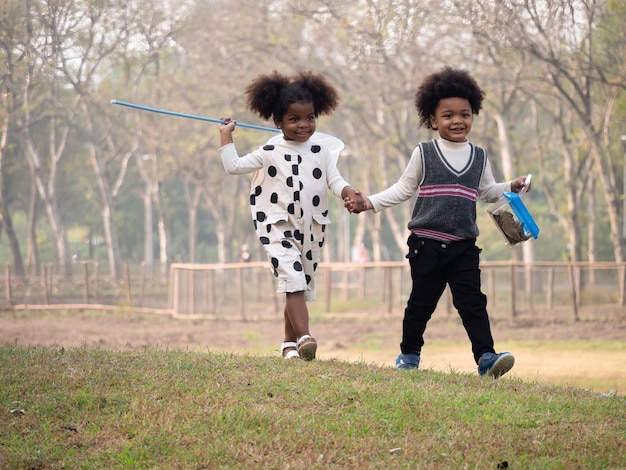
(495, 365)
(407, 361)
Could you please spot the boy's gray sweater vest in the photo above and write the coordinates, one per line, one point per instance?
(445, 208)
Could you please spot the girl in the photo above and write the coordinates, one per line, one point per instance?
(448, 175)
(288, 197)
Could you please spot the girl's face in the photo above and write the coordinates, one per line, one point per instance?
(453, 119)
(298, 123)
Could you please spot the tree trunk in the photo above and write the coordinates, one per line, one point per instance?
(193, 201)
(5, 216)
(164, 236)
(47, 195)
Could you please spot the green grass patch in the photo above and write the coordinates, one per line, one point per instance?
(157, 408)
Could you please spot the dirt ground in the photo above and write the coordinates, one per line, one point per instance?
(565, 353)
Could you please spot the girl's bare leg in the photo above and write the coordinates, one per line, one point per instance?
(296, 314)
(290, 334)
(290, 337)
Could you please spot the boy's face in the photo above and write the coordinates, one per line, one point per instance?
(453, 119)
(298, 123)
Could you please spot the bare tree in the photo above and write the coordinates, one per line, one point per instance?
(560, 37)
(6, 222)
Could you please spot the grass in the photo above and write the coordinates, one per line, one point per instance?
(89, 408)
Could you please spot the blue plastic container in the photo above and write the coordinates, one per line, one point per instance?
(513, 219)
(522, 214)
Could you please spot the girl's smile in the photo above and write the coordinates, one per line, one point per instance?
(298, 123)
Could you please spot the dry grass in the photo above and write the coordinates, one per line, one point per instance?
(158, 408)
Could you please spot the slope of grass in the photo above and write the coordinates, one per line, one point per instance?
(174, 409)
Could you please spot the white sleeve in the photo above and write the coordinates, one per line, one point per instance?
(334, 180)
(236, 165)
(488, 189)
(405, 188)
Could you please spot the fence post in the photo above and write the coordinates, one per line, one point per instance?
(191, 300)
(328, 287)
(142, 281)
(513, 287)
(491, 287)
(550, 293)
(390, 289)
(170, 290)
(242, 306)
(530, 287)
(572, 281)
(96, 274)
(86, 281)
(7, 276)
(345, 294)
(129, 298)
(213, 301)
(449, 301)
(622, 286)
(44, 283)
(363, 278)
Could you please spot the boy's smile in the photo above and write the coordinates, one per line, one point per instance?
(453, 119)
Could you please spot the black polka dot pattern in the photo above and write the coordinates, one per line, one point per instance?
(287, 199)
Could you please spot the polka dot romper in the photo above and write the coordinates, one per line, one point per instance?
(289, 205)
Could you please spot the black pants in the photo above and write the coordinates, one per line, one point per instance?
(433, 265)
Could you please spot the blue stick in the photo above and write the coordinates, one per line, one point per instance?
(191, 116)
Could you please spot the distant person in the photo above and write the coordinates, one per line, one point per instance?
(447, 174)
(244, 254)
(289, 191)
(360, 253)
(364, 254)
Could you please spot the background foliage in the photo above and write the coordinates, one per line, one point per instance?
(81, 177)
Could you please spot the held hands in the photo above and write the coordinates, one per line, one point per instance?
(355, 202)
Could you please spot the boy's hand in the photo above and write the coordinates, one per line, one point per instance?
(520, 183)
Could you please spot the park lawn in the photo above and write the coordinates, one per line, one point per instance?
(87, 408)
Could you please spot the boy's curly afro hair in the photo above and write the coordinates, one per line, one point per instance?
(270, 95)
(447, 83)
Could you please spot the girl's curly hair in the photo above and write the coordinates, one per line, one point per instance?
(447, 83)
(271, 94)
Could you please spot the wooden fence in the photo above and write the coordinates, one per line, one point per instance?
(247, 290)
